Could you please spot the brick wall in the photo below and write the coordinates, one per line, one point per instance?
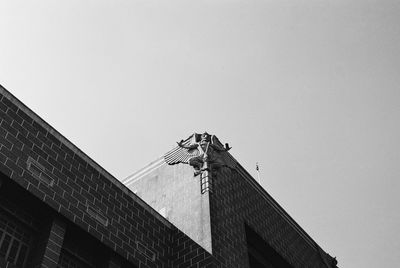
(81, 193)
(48, 166)
(189, 254)
(235, 202)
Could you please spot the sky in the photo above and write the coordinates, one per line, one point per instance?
(308, 89)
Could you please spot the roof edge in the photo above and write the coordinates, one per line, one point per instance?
(278, 207)
(246, 175)
(144, 171)
(80, 153)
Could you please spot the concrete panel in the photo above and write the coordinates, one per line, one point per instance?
(175, 193)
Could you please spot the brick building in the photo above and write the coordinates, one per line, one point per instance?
(190, 208)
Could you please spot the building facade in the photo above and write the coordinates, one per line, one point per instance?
(59, 208)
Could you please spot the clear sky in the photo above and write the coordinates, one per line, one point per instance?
(309, 89)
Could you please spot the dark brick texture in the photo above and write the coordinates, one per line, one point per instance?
(81, 193)
(238, 200)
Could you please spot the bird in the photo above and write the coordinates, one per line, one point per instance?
(227, 147)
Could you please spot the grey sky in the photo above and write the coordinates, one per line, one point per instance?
(309, 89)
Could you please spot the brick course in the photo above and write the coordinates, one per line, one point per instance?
(229, 216)
(50, 246)
(117, 218)
(80, 193)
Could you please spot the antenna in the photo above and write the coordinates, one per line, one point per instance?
(258, 173)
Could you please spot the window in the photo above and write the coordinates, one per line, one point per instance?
(81, 250)
(261, 254)
(69, 260)
(14, 241)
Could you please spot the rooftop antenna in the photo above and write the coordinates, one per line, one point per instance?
(258, 173)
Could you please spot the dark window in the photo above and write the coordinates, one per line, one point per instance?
(261, 254)
(14, 241)
(69, 260)
(81, 250)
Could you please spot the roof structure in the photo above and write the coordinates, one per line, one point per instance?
(157, 217)
(190, 148)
